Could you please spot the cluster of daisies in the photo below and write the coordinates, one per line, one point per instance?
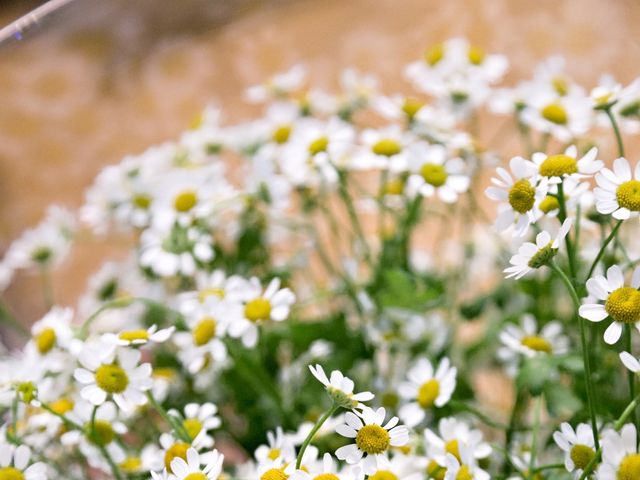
(265, 249)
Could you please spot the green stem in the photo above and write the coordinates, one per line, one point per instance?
(534, 436)
(47, 287)
(7, 317)
(94, 437)
(67, 422)
(313, 431)
(562, 216)
(603, 248)
(511, 429)
(631, 376)
(353, 215)
(585, 349)
(175, 424)
(616, 131)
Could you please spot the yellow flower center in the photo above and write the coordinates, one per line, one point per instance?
(433, 174)
(581, 455)
(133, 335)
(258, 309)
(623, 305)
(452, 447)
(10, 473)
(185, 201)
(177, 450)
(61, 406)
(193, 426)
(204, 331)
(328, 476)
(208, 292)
(274, 474)
(435, 471)
(46, 340)
(543, 256)
(434, 54)
(383, 475)
(318, 145)
(555, 113)
(549, 204)
(196, 476)
(428, 393)
(101, 432)
(372, 439)
(141, 201)
(475, 55)
(629, 468)
(411, 106)
(522, 196)
(558, 165)
(131, 464)
(281, 134)
(273, 453)
(394, 187)
(560, 85)
(112, 378)
(628, 195)
(536, 343)
(464, 473)
(387, 147)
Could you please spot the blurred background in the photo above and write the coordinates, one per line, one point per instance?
(100, 79)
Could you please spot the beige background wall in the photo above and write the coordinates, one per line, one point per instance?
(111, 77)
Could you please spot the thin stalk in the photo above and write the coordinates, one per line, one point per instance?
(47, 286)
(114, 468)
(313, 431)
(604, 247)
(177, 426)
(353, 215)
(562, 216)
(585, 349)
(616, 131)
(534, 436)
(7, 317)
(511, 429)
(631, 376)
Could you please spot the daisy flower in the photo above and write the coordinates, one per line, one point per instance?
(273, 303)
(555, 168)
(110, 372)
(518, 194)
(138, 337)
(198, 420)
(328, 471)
(618, 190)
(526, 340)
(464, 467)
(383, 148)
(621, 303)
(340, 388)
(454, 435)
(192, 469)
(435, 174)
(281, 84)
(578, 445)
(372, 439)
(532, 256)
(279, 445)
(50, 334)
(405, 467)
(15, 463)
(620, 456)
(203, 344)
(426, 389)
(565, 117)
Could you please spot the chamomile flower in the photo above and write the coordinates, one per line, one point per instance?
(15, 463)
(278, 86)
(328, 471)
(139, 336)
(454, 436)
(528, 340)
(372, 437)
(555, 168)
(620, 456)
(50, 335)
(532, 256)
(116, 373)
(518, 194)
(618, 190)
(279, 446)
(464, 467)
(340, 388)
(258, 306)
(198, 420)
(621, 303)
(578, 445)
(400, 467)
(426, 389)
(433, 173)
(192, 469)
(383, 148)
